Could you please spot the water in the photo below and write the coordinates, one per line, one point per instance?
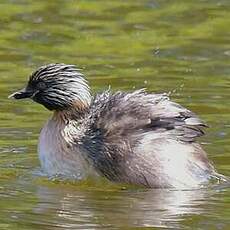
(177, 46)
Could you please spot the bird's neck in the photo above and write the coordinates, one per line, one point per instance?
(71, 114)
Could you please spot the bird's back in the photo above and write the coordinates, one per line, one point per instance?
(145, 139)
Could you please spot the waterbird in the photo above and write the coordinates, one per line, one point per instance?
(134, 137)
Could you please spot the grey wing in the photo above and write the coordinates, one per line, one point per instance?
(128, 134)
(126, 113)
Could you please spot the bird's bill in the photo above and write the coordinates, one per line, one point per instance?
(21, 94)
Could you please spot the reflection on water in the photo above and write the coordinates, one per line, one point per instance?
(165, 46)
(68, 206)
(162, 208)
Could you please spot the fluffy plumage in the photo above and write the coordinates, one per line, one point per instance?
(137, 138)
(145, 139)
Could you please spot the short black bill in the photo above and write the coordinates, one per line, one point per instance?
(21, 94)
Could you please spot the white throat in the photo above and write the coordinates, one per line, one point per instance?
(57, 153)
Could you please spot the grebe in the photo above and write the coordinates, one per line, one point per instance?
(136, 138)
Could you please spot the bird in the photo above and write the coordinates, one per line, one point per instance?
(135, 138)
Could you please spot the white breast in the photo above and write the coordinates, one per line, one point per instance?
(58, 156)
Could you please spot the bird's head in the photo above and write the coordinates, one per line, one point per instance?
(57, 87)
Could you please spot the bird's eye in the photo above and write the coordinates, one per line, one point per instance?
(41, 85)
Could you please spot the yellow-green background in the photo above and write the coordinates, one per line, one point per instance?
(176, 46)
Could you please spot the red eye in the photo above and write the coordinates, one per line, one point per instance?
(41, 85)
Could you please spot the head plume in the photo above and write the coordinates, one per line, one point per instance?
(57, 87)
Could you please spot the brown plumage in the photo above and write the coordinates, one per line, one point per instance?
(137, 138)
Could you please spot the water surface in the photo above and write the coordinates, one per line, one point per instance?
(177, 46)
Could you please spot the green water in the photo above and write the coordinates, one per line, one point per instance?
(176, 46)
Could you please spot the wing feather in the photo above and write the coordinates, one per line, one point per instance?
(126, 113)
